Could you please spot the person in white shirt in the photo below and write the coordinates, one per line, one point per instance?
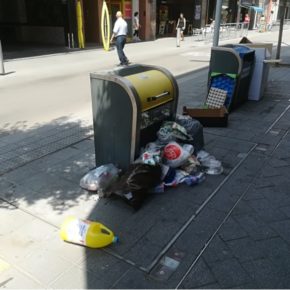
(120, 32)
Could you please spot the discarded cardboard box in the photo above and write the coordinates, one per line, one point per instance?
(208, 117)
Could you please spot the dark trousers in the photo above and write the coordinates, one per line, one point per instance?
(120, 43)
(136, 33)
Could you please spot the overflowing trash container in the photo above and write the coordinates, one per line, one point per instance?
(231, 70)
(129, 106)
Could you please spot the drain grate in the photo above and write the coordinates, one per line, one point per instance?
(167, 265)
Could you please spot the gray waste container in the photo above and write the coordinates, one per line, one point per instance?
(129, 106)
(231, 70)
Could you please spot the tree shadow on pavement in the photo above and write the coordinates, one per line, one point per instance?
(41, 167)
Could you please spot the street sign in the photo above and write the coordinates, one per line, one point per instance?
(105, 27)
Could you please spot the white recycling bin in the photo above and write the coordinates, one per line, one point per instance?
(263, 52)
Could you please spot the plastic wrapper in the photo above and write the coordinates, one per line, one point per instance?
(210, 163)
(171, 131)
(100, 178)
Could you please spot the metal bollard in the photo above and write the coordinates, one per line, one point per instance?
(2, 71)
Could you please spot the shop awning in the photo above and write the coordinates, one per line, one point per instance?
(255, 8)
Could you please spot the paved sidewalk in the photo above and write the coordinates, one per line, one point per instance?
(232, 231)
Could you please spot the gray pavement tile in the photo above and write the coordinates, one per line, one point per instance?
(216, 251)
(5, 184)
(21, 173)
(66, 251)
(224, 199)
(72, 169)
(255, 227)
(253, 194)
(75, 278)
(207, 221)
(282, 263)
(242, 208)
(11, 213)
(137, 229)
(130, 227)
(136, 279)
(277, 196)
(211, 286)
(270, 181)
(16, 246)
(144, 251)
(166, 228)
(230, 144)
(282, 228)
(269, 171)
(44, 266)
(278, 163)
(15, 279)
(246, 249)
(199, 276)
(55, 157)
(106, 268)
(229, 273)
(275, 247)
(286, 210)
(196, 236)
(243, 135)
(86, 145)
(266, 274)
(270, 139)
(231, 230)
(266, 211)
(251, 285)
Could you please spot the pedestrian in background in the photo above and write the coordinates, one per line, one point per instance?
(181, 23)
(136, 27)
(246, 21)
(262, 25)
(120, 31)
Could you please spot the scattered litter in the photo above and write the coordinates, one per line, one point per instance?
(100, 178)
(176, 157)
(152, 154)
(171, 131)
(212, 166)
(86, 233)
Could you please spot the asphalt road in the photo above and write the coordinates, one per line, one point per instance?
(46, 88)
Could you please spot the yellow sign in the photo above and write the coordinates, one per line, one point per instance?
(80, 25)
(105, 27)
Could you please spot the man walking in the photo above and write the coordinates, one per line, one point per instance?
(120, 32)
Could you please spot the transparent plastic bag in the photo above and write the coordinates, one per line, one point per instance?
(100, 178)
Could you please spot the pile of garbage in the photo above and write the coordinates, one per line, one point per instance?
(176, 157)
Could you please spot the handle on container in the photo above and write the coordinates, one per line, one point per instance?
(154, 98)
(106, 231)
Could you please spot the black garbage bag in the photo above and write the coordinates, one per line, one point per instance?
(135, 184)
(194, 129)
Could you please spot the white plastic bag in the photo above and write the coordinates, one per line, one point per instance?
(100, 178)
(175, 155)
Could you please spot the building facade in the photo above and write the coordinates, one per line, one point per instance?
(62, 22)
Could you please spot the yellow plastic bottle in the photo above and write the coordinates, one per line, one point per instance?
(86, 233)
